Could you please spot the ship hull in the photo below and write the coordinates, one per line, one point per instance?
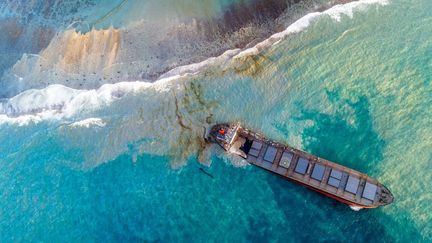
(349, 203)
(335, 181)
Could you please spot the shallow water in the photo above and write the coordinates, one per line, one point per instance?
(121, 162)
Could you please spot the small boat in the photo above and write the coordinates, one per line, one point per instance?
(341, 183)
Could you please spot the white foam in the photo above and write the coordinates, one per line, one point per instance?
(336, 12)
(355, 208)
(196, 67)
(89, 122)
(21, 120)
(58, 101)
(54, 97)
(347, 9)
(131, 111)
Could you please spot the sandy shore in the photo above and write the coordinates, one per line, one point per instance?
(145, 50)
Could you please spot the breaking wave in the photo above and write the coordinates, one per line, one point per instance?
(131, 111)
(89, 122)
(336, 12)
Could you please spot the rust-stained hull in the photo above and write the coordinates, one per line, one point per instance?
(328, 178)
(325, 193)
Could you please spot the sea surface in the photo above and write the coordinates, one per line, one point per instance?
(103, 107)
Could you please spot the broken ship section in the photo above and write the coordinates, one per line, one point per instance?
(333, 180)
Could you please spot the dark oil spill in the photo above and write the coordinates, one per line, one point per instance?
(192, 116)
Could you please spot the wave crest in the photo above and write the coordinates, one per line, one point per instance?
(137, 116)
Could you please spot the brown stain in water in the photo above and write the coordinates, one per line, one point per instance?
(192, 115)
(253, 65)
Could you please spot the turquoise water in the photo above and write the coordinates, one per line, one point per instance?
(122, 163)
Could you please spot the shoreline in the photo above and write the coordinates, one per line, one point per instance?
(142, 51)
(174, 74)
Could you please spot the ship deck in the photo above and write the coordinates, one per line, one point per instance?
(334, 180)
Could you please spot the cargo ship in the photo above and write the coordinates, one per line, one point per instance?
(341, 183)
